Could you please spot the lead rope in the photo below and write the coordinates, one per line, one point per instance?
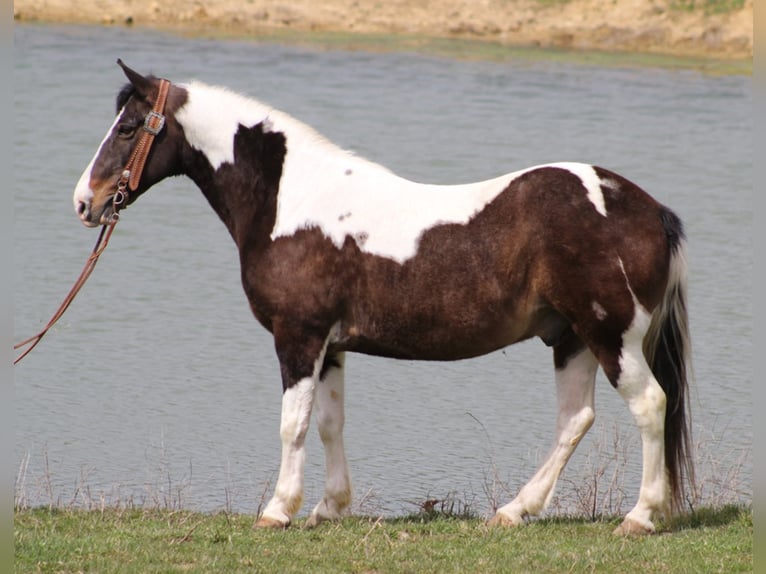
(90, 264)
(131, 175)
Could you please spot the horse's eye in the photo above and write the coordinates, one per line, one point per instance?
(125, 130)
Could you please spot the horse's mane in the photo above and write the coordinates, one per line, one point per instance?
(301, 133)
(123, 96)
(232, 107)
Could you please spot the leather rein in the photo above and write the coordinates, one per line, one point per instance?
(129, 180)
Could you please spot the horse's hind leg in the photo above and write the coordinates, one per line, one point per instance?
(330, 419)
(647, 402)
(622, 358)
(575, 380)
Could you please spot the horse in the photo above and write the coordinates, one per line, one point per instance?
(339, 255)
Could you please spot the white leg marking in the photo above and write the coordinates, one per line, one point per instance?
(574, 390)
(296, 415)
(646, 401)
(330, 419)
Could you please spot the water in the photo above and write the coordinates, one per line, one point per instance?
(159, 387)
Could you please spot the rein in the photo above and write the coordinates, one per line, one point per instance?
(90, 264)
(129, 179)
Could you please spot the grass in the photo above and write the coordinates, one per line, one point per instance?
(708, 6)
(90, 532)
(114, 540)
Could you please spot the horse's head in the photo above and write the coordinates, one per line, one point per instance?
(96, 197)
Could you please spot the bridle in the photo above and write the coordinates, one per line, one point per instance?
(129, 180)
(131, 173)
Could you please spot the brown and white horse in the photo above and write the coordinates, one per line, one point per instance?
(340, 255)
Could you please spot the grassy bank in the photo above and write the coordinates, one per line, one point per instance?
(707, 29)
(115, 540)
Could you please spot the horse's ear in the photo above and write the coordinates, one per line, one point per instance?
(142, 84)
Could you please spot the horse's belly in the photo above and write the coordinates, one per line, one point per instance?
(432, 340)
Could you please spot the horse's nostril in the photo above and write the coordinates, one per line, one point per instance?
(81, 207)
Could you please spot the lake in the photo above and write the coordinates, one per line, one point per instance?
(159, 387)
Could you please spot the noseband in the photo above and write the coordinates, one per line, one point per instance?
(131, 173)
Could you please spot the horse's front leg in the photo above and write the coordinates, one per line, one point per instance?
(301, 365)
(330, 419)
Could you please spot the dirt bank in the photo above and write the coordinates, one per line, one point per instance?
(705, 28)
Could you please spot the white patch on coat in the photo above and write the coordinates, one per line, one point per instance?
(330, 189)
(385, 214)
(212, 115)
(82, 191)
(599, 310)
(389, 214)
(590, 180)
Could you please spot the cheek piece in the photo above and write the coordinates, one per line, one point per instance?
(131, 173)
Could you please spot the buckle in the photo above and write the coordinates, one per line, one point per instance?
(154, 122)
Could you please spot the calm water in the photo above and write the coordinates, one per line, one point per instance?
(158, 386)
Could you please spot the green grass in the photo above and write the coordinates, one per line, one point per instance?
(710, 540)
(708, 6)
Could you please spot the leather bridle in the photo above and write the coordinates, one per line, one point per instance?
(154, 122)
(131, 173)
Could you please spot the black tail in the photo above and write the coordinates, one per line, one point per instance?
(667, 347)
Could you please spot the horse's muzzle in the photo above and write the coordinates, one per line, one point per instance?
(91, 218)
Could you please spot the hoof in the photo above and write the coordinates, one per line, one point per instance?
(632, 528)
(314, 520)
(273, 523)
(504, 521)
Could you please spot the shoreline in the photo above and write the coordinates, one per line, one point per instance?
(671, 28)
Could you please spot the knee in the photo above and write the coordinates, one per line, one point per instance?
(587, 416)
(649, 407)
(293, 432)
(578, 425)
(330, 425)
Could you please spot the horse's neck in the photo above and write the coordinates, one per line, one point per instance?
(218, 146)
(254, 152)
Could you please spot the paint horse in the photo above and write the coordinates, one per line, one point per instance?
(338, 255)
